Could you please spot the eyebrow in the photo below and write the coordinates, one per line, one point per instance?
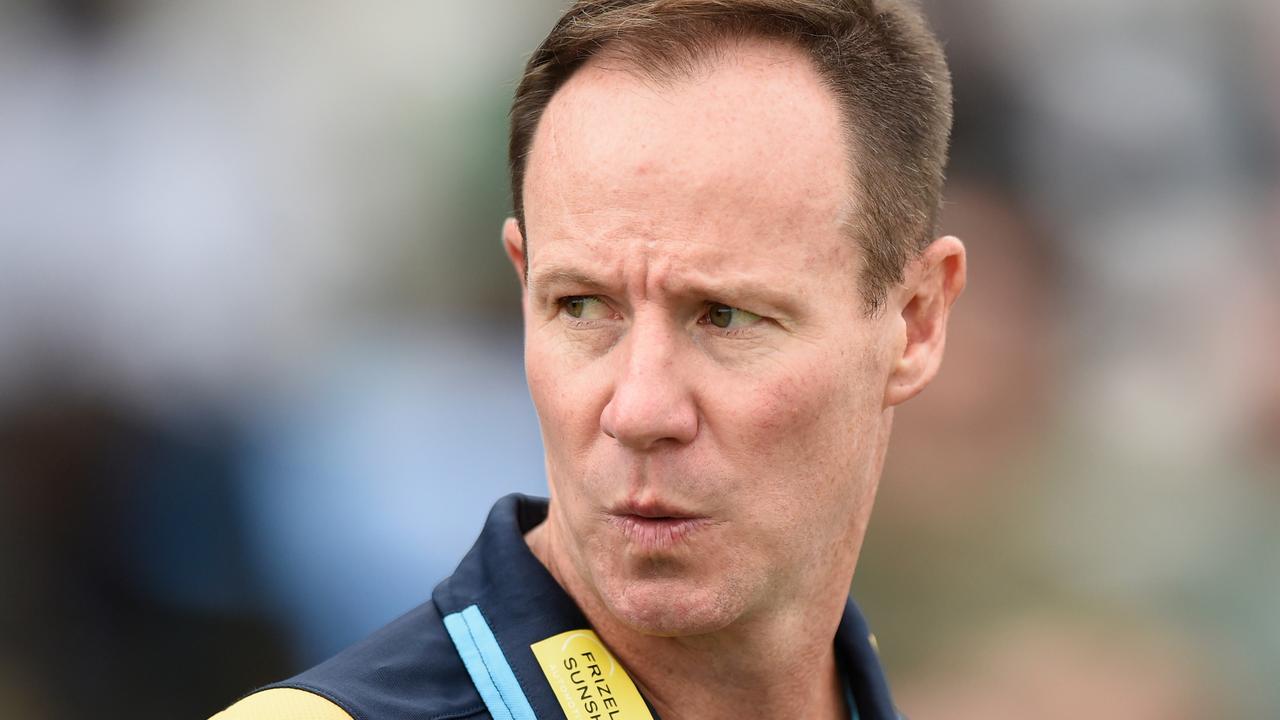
(543, 279)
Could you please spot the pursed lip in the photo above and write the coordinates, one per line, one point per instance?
(652, 509)
(653, 526)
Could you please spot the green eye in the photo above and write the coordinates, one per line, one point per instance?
(584, 307)
(730, 318)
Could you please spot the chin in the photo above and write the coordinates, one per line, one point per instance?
(670, 607)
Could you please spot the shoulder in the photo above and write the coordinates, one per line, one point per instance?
(283, 704)
(407, 669)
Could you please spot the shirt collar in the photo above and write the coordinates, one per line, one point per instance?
(524, 604)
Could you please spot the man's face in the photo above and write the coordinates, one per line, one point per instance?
(711, 393)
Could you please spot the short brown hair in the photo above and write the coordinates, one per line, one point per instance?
(878, 58)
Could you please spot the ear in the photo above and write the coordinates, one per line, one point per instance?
(933, 281)
(513, 243)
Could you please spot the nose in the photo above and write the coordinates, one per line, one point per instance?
(652, 402)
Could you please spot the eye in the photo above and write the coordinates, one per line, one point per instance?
(730, 318)
(584, 307)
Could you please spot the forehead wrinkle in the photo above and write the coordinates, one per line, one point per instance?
(609, 174)
(652, 263)
(644, 268)
(689, 275)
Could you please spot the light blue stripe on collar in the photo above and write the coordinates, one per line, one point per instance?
(488, 667)
(492, 675)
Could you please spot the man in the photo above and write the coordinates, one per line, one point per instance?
(724, 222)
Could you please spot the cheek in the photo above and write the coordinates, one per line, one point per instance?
(567, 396)
(810, 407)
(557, 379)
(800, 434)
(540, 372)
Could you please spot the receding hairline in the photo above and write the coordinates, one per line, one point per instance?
(620, 56)
(696, 63)
(879, 58)
(674, 63)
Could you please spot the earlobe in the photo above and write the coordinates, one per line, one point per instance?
(933, 282)
(513, 243)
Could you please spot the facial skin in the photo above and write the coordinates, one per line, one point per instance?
(656, 213)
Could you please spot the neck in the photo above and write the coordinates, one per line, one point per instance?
(779, 665)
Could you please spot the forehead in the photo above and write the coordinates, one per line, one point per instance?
(747, 148)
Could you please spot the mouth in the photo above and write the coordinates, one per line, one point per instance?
(652, 527)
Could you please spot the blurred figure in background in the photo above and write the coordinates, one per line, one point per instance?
(221, 314)
(229, 305)
(1138, 163)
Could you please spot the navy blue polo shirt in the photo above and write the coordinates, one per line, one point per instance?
(467, 653)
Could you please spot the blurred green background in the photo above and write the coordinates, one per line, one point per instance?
(260, 370)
